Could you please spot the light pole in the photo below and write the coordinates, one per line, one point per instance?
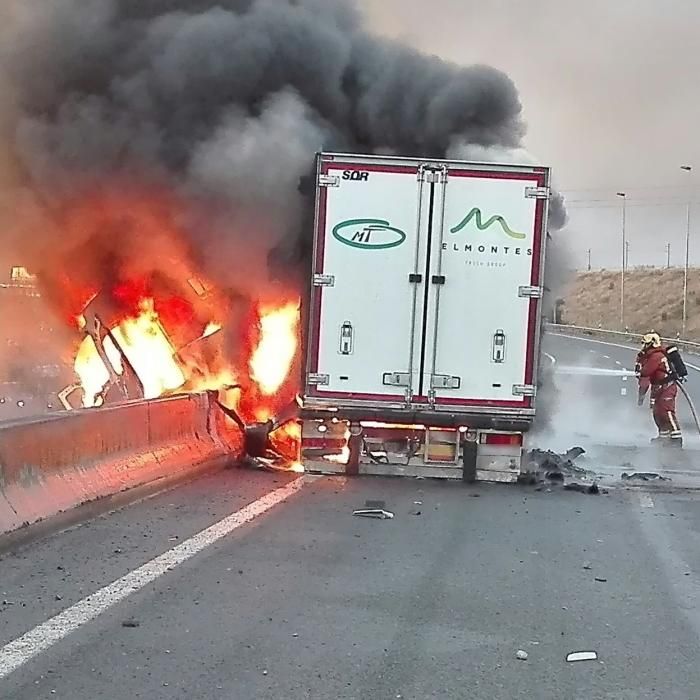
(589, 259)
(668, 256)
(688, 169)
(623, 195)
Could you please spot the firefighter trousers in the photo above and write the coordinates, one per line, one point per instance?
(664, 410)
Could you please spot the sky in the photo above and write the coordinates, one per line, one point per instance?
(610, 95)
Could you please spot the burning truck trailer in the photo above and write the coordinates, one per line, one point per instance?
(424, 317)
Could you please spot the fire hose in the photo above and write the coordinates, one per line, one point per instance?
(690, 404)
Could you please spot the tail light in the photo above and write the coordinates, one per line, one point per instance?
(509, 439)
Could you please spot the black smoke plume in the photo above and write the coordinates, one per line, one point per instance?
(224, 104)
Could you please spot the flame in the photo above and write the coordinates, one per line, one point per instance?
(92, 372)
(287, 441)
(273, 357)
(163, 314)
(146, 347)
(149, 351)
(141, 338)
(344, 455)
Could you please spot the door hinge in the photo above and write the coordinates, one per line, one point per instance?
(537, 193)
(328, 181)
(396, 379)
(445, 381)
(415, 278)
(314, 379)
(432, 174)
(438, 279)
(524, 390)
(530, 292)
(324, 280)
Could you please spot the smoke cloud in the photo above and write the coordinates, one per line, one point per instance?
(225, 106)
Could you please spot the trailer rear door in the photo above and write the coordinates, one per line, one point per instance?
(369, 238)
(482, 319)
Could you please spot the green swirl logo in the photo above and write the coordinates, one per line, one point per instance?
(475, 215)
(368, 234)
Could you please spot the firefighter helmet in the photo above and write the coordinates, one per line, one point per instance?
(651, 340)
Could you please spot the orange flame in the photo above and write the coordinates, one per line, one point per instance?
(144, 343)
(272, 359)
(160, 369)
(344, 455)
(149, 351)
(92, 372)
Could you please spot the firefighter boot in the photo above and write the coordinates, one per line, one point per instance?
(676, 441)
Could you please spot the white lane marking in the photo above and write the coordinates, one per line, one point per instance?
(646, 501)
(19, 651)
(551, 358)
(623, 391)
(610, 345)
(606, 357)
(617, 362)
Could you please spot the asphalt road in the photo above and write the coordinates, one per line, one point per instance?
(307, 601)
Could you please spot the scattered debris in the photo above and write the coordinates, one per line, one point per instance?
(600, 579)
(548, 461)
(417, 512)
(131, 623)
(547, 466)
(417, 503)
(587, 566)
(591, 489)
(582, 656)
(574, 453)
(58, 596)
(475, 495)
(521, 655)
(644, 476)
(378, 513)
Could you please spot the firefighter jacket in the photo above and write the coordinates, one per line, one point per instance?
(654, 370)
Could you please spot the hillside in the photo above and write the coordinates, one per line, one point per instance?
(653, 300)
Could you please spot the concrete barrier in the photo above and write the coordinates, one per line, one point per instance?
(50, 466)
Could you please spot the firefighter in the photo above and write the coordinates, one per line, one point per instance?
(659, 369)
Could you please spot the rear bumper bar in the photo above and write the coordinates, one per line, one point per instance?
(432, 419)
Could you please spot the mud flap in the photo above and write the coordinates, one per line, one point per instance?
(355, 447)
(469, 453)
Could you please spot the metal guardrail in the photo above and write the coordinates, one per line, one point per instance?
(630, 338)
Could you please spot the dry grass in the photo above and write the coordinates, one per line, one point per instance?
(653, 300)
